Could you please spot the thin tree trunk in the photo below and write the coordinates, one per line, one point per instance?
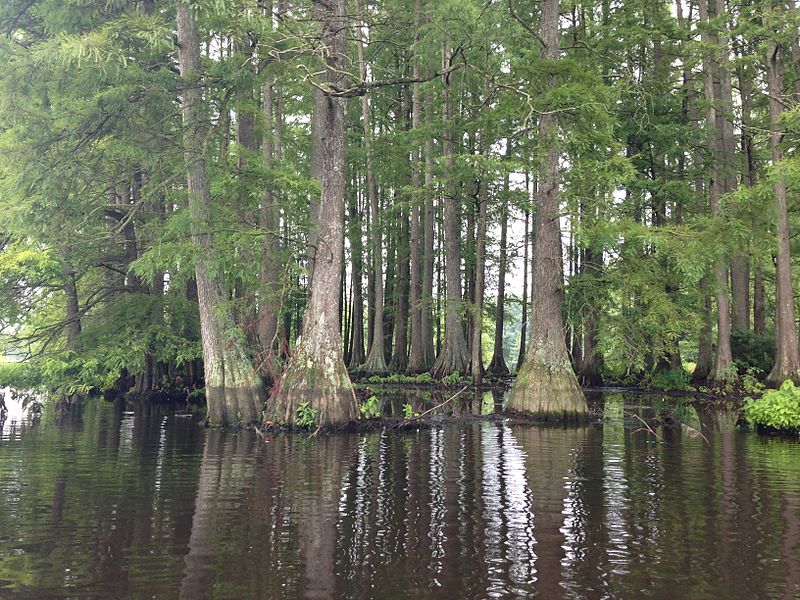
(416, 358)
(524, 321)
(705, 346)
(546, 385)
(72, 311)
(316, 374)
(476, 361)
(453, 357)
(357, 355)
(740, 266)
(376, 360)
(269, 300)
(233, 391)
(723, 370)
(497, 366)
(399, 360)
(787, 357)
(591, 364)
(428, 353)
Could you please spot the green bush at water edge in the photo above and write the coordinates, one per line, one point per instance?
(779, 409)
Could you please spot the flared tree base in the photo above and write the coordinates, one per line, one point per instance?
(721, 377)
(451, 360)
(497, 367)
(235, 405)
(547, 393)
(781, 373)
(314, 388)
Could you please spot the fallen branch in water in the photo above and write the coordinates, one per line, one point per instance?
(646, 426)
(430, 410)
(695, 432)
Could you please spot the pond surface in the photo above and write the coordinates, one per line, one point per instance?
(106, 503)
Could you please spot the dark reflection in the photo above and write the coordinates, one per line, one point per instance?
(145, 503)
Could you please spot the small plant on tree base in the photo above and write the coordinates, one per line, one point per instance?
(306, 417)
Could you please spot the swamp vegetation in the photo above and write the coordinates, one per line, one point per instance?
(531, 261)
(260, 202)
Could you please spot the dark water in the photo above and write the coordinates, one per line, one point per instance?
(111, 504)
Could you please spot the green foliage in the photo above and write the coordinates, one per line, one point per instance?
(752, 382)
(751, 351)
(673, 379)
(778, 409)
(409, 412)
(422, 379)
(305, 416)
(454, 379)
(369, 408)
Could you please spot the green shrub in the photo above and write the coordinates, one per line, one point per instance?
(453, 379)
(409, 412)
(751, 381)
(779, 409)
(369, 408)
(674, 379)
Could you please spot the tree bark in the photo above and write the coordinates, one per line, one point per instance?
(399, 360)
(416, 358)
(705, 346)
(269, 301)
(428, 353)
(376, 359)
(740, 266)
(476, 360)
(453, 357)
(72, 311)
(233, 391)
(316, 373)
(546, 386)
(723, 370)
(787, 357)
(357, 354)
(497, 366)
(590, 369)
(524, 320)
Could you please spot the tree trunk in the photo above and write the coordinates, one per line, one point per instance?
(72, 314)
(723, 370)
(316, 374)
(376, 359)
(476, 361)
(740, 266)
(416, 358)
(357, 355)
(705, 346)
(269, 300)
(524, 321)
(546, 386)
(428, 352)
(787, 358)
(497, 366)
(453, 357)
(590, 369)
(233, 391)
(399, 360)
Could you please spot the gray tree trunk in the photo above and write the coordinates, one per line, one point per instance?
(316, 373)
(453, 357)
(546, 386)
(787, 357)
(233, 391)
